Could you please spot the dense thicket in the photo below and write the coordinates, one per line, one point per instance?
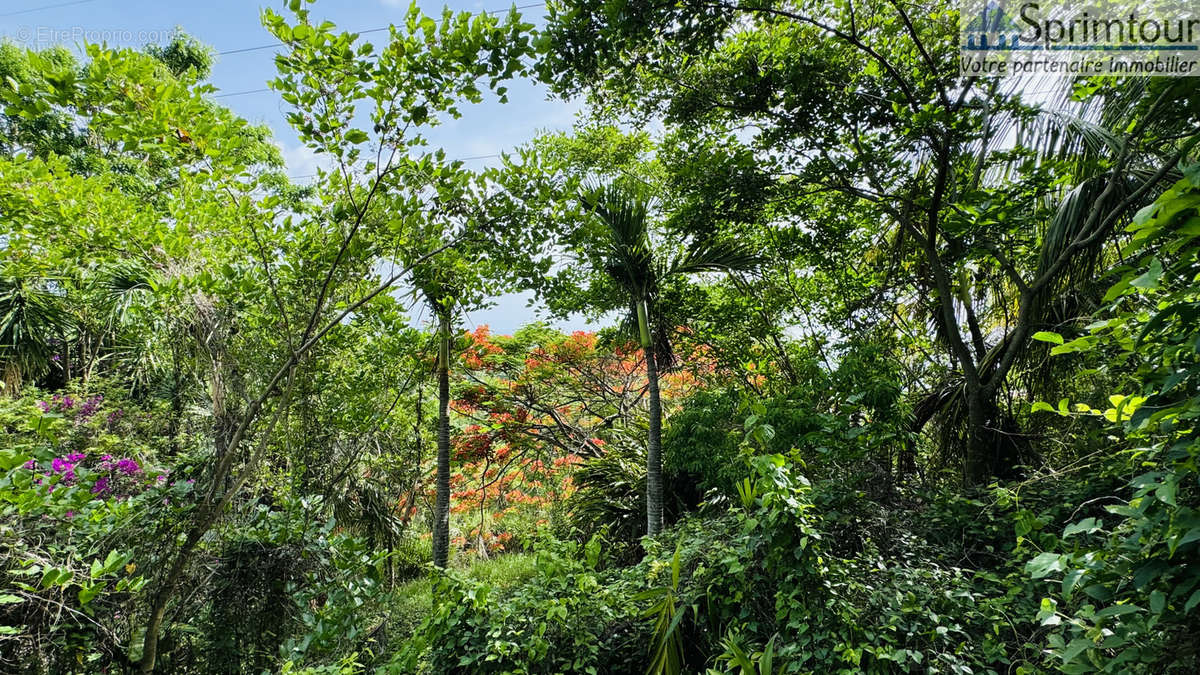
(899, 369)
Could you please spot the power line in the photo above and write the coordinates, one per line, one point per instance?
(54, 6)
(244, 50)
(276, 45)
(242, 93)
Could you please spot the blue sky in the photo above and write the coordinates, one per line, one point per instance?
(230, 25)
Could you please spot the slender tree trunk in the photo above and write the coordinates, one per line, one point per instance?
(12, 380)
(158, 607)
(654, 485)
(978, 462)
(441, 508)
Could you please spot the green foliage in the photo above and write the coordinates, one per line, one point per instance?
(410, 557)
(250, 608)
(1127, 583)
(72, 557)
(834, 583)
(30, 319)
(701, 448)
(184, 55)
(611, 499)
(743, 661)
(666, 652)
(854, 271)
(565, 619)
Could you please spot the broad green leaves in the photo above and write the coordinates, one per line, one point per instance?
(1132, 569)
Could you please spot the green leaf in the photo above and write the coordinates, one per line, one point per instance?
(1047, 336)
(1118, 610)
(1079, 344)
(1070, 580)
(1086, 526)
(1044, 565)
(1150, 279)
(1158, 602)
(1077, 647)
(1166, 492)
(1192, 602)
(89, 592)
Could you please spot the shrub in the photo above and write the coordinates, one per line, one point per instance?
(700, 448)
(410, 557)
(569, 618)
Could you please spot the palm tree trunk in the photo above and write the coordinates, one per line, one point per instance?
(12, 380)
(654, 486)
(441, 509)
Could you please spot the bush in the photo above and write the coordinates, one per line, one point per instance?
(700, 449)
(824, 574)
(251, 610)
(410, 557)
(611, 499)
(569, 618)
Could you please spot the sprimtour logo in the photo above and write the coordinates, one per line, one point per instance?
(993, 28)
(1070, 38)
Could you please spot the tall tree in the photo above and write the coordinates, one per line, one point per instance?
(624, 250)
(444, 293)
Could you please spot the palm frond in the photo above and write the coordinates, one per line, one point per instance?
(30, 317)
(715, 256)
(624, 211)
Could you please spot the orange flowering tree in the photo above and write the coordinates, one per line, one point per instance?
(528, 409)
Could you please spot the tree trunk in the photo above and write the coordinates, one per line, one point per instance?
(158, 608)
(654, 486)
(12, 380)
(977, 467)
(441, 509)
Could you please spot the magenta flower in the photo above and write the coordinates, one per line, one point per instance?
(90, 406)
(101, 486)
(128, 467)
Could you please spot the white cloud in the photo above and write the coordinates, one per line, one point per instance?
(301, 161)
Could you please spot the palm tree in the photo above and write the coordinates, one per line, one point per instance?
(631, 260)
(1121, 148)
(440, 296)
(30, 318)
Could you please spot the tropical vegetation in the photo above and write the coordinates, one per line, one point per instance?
(892, 371)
